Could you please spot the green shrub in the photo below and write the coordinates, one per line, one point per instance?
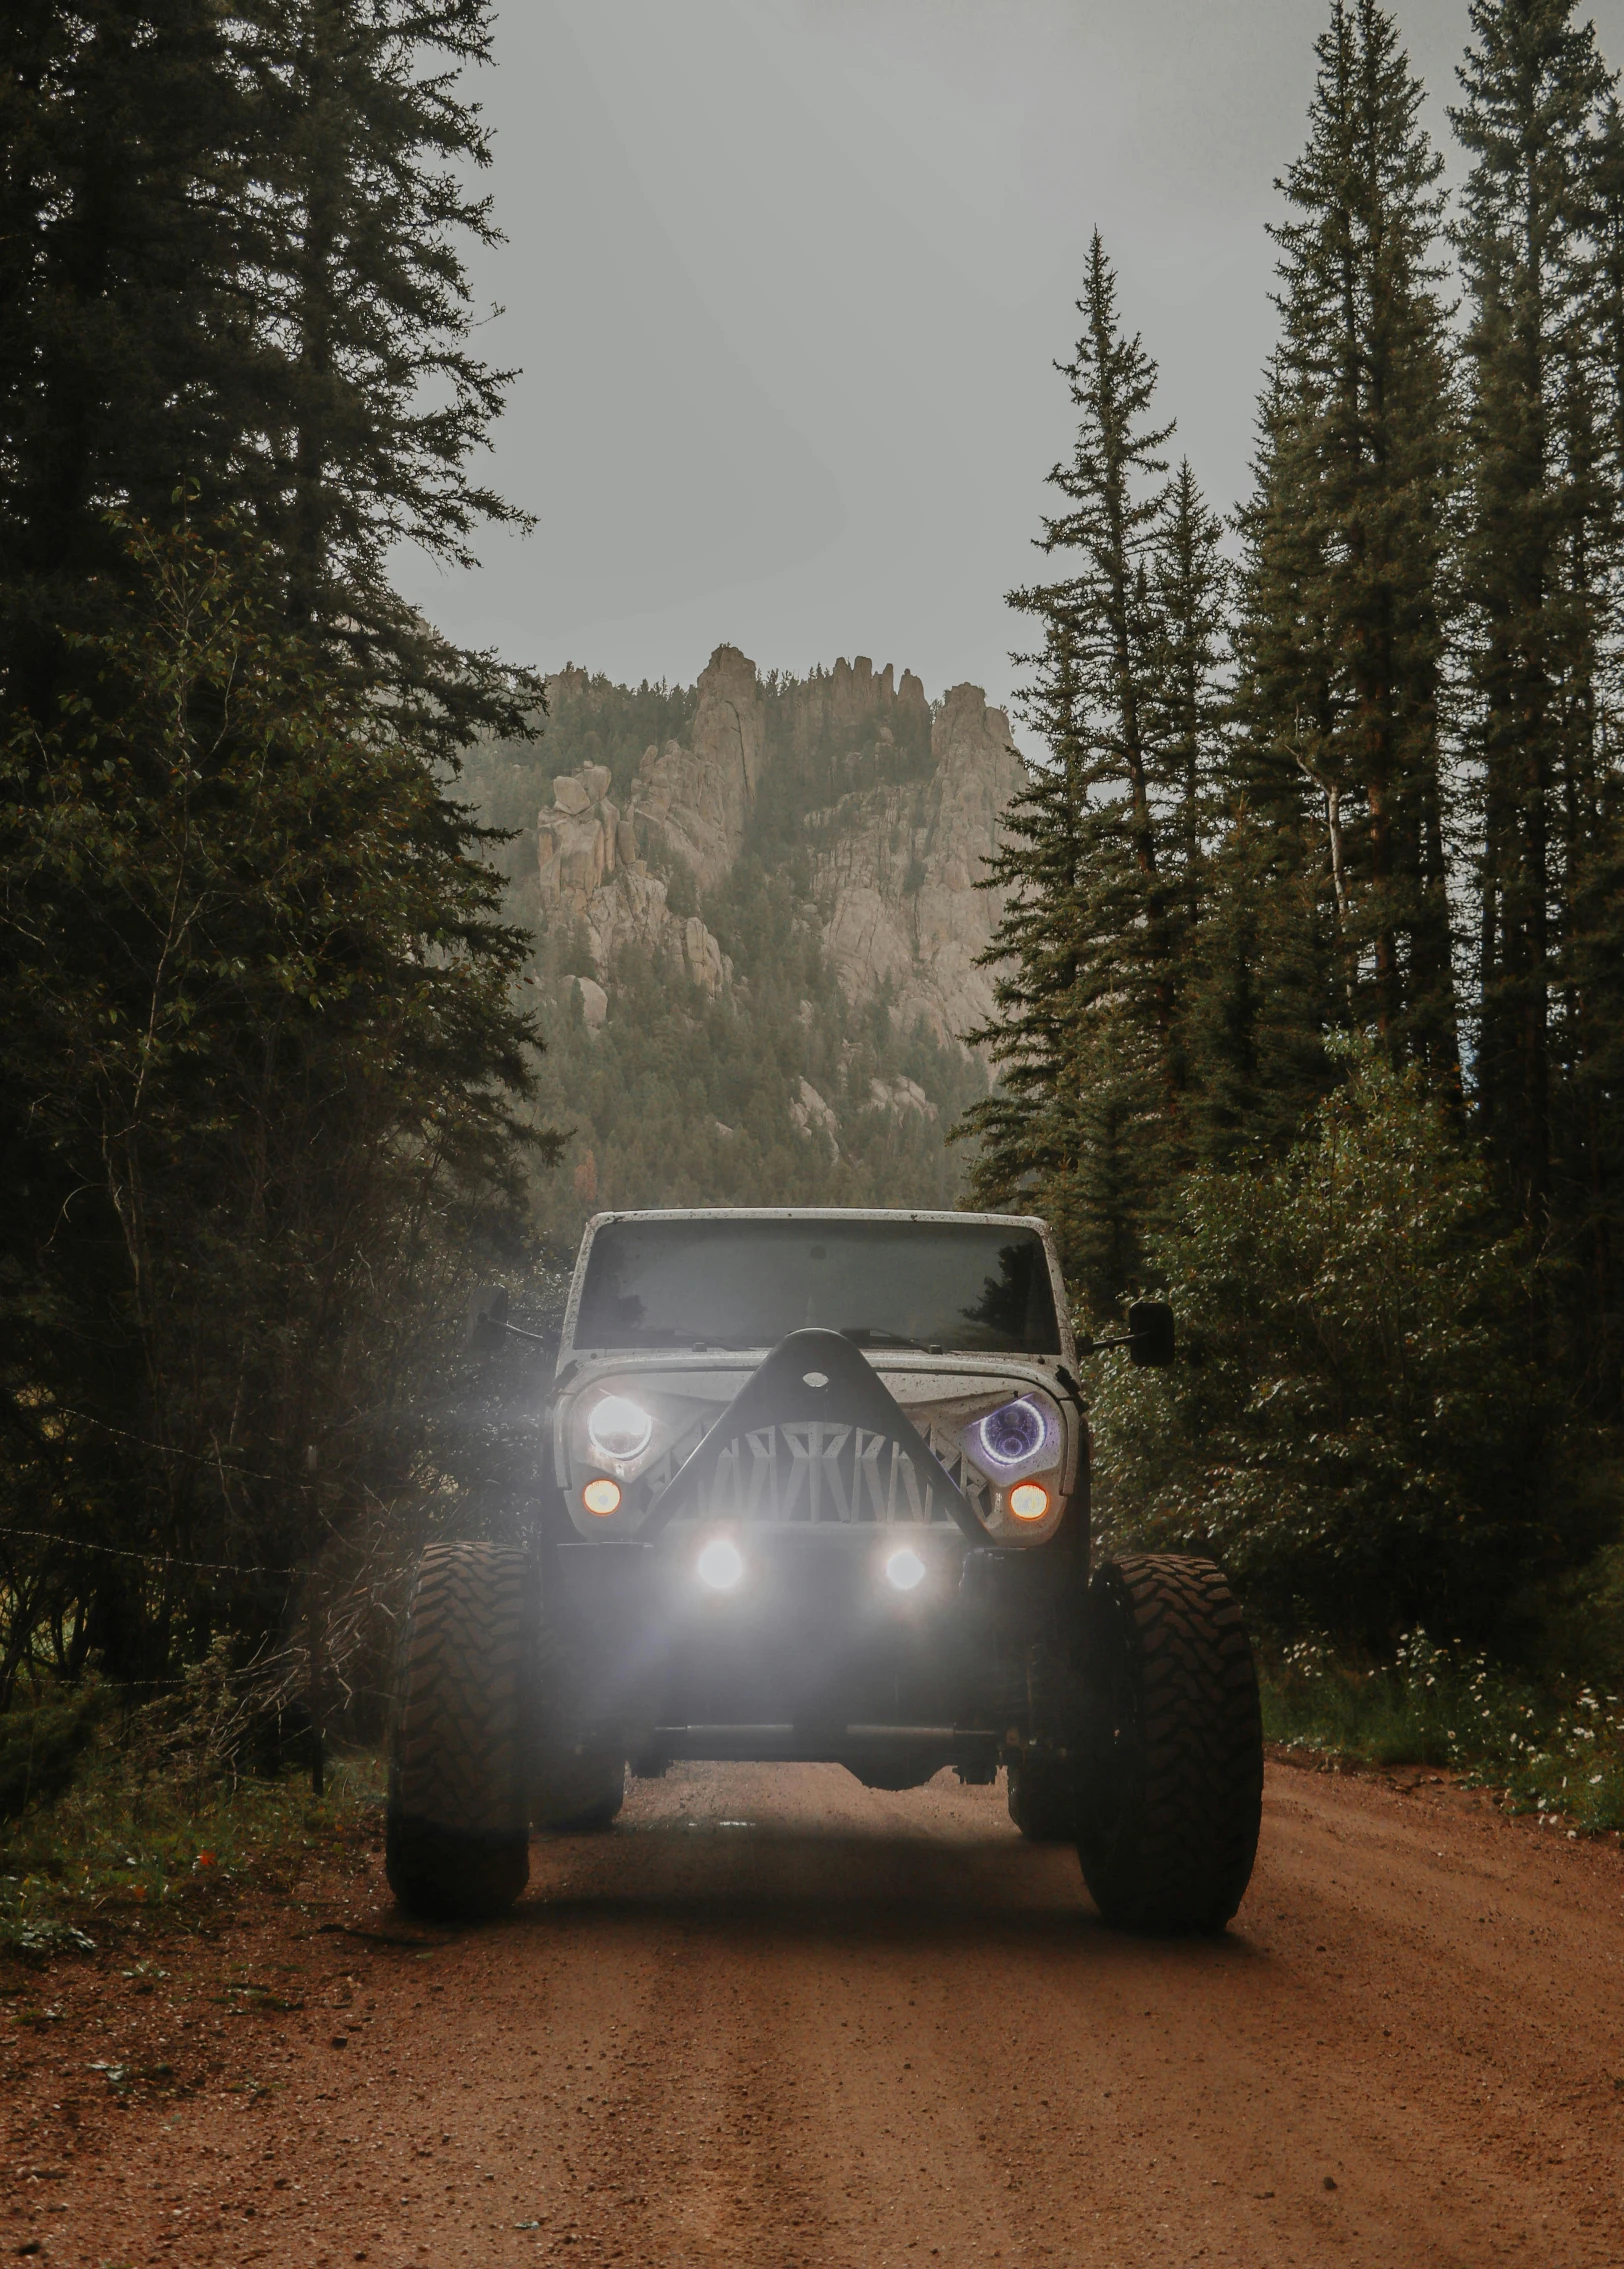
(140, 1836)
(1356, 1428)
(1435, 1705)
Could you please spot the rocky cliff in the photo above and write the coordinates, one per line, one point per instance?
(895, 869)
(894, 809)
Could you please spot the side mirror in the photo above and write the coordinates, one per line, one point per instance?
(487, 1319)
(1150, 1334)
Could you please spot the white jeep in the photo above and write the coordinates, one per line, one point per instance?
(821, 1494)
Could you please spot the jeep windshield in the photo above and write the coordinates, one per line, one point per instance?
(730, 1283)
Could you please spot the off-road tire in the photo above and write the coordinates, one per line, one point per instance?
(1043, 1802)
(1171, 1789)
(458, 1830)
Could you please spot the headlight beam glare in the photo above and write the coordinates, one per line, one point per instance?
(905, 1569)
(619, 1427)
(721, 1564)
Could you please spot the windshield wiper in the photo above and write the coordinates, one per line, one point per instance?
(874, 1335)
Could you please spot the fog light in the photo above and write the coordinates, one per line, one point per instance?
(905, 1569)
(601, 1497)
(1028, 1501)
(720, 1564)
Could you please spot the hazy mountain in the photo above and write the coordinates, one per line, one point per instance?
(757, 931)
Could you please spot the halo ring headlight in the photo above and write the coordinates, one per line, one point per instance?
(1013, 1434)
(619, 1428)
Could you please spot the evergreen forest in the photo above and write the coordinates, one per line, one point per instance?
(1309, 983)
(1311, 1011)
(268, 1083)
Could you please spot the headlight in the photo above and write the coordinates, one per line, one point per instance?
(619, 1427)
(1013, 1434)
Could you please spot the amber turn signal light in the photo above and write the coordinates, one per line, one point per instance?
(601, 1497)
(1028, 1501)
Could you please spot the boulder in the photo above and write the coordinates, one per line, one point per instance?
(809, 1112)
(594, 1000)
(899, 1096)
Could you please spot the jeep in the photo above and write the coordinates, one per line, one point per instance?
(820, 1494)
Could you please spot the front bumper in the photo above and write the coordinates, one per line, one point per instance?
(813, 1654)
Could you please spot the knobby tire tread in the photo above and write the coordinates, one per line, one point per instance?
(458, 1824)
(1168, 1837)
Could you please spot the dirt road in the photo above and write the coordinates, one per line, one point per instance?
(776, 2019)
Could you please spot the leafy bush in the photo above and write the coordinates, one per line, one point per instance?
(1357, 1427)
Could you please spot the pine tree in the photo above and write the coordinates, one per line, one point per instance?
(1274, 961)
(1103, 854)
(1605, 227)
(1589, 1033)
(258, 1013)
(1342, 640)
(1115, 499)
(1037, 950)
(260, 1010)
(124, 371)
(1533, 83)
(1259, 998)
(232, 265)
(1188, 709)
(1594, 1196)
(362, 139)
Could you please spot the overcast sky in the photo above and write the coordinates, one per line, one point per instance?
(786, 279)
